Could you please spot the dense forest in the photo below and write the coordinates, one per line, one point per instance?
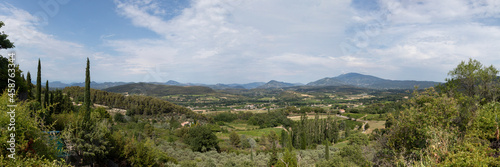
(453, 124)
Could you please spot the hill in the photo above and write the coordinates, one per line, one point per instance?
(368, 81)
(159, 90)
(276, 84)
(94, 85)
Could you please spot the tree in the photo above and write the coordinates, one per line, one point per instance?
(274, 151)
(289, 158)
(4, 42)
(39, 83)
(327, 150)
(474, 79)
(200, 138)
(347, 132)
(88, 139)
(46, 96)
(33, 146)
(284, 138)
(87, 102)
(234, 138)
(30, 85)
(119, 117)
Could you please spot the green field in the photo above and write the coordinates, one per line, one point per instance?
(251, 133)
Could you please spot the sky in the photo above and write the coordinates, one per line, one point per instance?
(242, 41)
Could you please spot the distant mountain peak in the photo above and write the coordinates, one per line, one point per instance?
(368, 81)
(172, 82)
(276, 84)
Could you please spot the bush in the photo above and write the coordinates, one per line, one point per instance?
(119, 117)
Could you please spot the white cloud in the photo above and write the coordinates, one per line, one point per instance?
(61, 60)
(223, 41)
(31, 44)
(423, 40)
(234, 41)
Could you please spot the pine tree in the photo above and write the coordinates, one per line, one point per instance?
(39, 83)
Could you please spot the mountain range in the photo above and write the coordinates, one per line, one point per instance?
(368, 81)
(349, 79)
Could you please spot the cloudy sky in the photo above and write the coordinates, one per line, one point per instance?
(241, 41)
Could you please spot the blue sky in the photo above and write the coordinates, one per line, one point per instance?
(241, 41)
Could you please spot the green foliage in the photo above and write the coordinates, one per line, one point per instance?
(225, 117)
(4, 42)
(234, 139)
(31, 143)
(32, 161)
(119, 117)
(474, 80)
(358, 139)
(200, 138)
(39, 83)
(21, 88)
(86, 101)
(144, 153)
(487, 121)
(270, 119)
(327, 150)
(289, 159)
(470, 152)
(159, 90)
(348, 156)
(62, 120)
(337, 161)
(101, 113)
(135, 105)
(89, 139)
(30, 85)
(409, 133)
(46, 96)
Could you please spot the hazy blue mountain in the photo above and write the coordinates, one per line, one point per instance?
(93, 84)
(225, 86)
(175, 83)
(349, 79)
(276, 84)
(368, 81)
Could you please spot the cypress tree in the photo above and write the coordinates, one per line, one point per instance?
(39, 83)
(30, 85)
(86, 100)
(46, 97)
(327, 149)
(51, 98)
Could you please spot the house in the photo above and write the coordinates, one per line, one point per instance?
(342, 111)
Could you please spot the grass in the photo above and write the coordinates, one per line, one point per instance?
(251, 133)
(341, 144)
(321, 116)
(354, 115)
(375, 117)
(375, 125)
(259, 132)
(242, 126)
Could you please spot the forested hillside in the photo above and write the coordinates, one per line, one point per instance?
(159, 90)
(134, 104)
